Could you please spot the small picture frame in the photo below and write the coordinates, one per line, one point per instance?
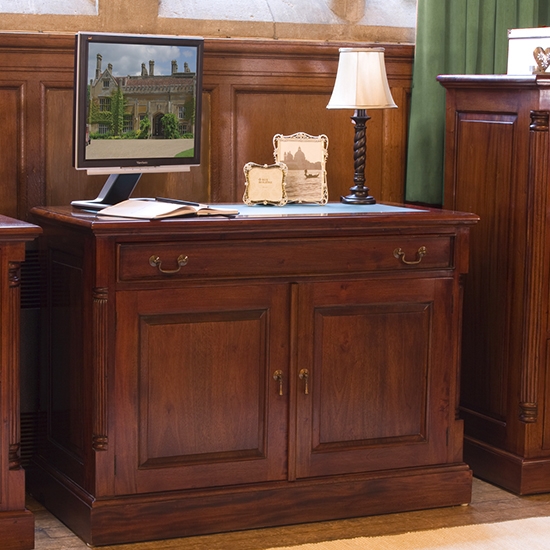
(305, 157)
(265, 184)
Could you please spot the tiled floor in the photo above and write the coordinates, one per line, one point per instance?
(489, 504)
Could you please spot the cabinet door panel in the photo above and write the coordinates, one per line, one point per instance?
(194, 378)
(378, 356)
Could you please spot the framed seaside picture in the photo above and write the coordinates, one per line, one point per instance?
(305, 157)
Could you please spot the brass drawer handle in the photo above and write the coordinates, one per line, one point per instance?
(155, 261)
(420, 253)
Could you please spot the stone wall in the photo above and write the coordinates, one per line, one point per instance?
(390, 21)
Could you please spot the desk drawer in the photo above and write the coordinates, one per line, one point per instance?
(157, 261)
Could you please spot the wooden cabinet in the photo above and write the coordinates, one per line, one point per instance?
(219, 374)
(372, 389)
(201, 406)
(16, 522)
(497, 164)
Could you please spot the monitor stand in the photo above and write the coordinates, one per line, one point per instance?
(117, 188)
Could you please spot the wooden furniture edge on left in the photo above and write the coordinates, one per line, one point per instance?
(16, 522)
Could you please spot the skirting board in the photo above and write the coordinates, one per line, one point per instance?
(179, 514)
(17, 530)
(516, 474)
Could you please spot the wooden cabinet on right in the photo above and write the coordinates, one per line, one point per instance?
(497, 165)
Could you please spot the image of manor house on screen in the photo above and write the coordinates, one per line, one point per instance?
(142, 107)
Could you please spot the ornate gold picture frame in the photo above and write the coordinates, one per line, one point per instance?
(265, 184)
(305, 157)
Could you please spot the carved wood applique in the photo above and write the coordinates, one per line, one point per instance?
(539, 180)
(100, 438)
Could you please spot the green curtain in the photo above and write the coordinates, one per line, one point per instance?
(455, 37)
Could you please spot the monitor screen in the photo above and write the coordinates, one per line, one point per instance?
(137, 101)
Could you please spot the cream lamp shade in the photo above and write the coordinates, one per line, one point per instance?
(361, 81)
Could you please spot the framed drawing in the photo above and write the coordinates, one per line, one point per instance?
(265, 184)
(305, 157)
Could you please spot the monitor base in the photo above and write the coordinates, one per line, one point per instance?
(117, 188)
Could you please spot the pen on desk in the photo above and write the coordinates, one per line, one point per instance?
(176, 201)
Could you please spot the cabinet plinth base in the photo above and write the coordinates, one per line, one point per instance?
(17, 530)
(153, 517)
(509, 471)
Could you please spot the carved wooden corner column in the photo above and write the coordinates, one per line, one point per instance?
(12, 375)
(538, 181)
(100, 361)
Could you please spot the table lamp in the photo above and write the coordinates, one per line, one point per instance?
(361, 84)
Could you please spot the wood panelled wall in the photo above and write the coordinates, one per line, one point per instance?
(253, 89)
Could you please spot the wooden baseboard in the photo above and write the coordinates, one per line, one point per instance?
(131, 519)
(17, 530)
(512, 472)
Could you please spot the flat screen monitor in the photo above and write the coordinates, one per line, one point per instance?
(137, 108)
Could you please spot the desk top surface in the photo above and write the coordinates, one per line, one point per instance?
(258, 218)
